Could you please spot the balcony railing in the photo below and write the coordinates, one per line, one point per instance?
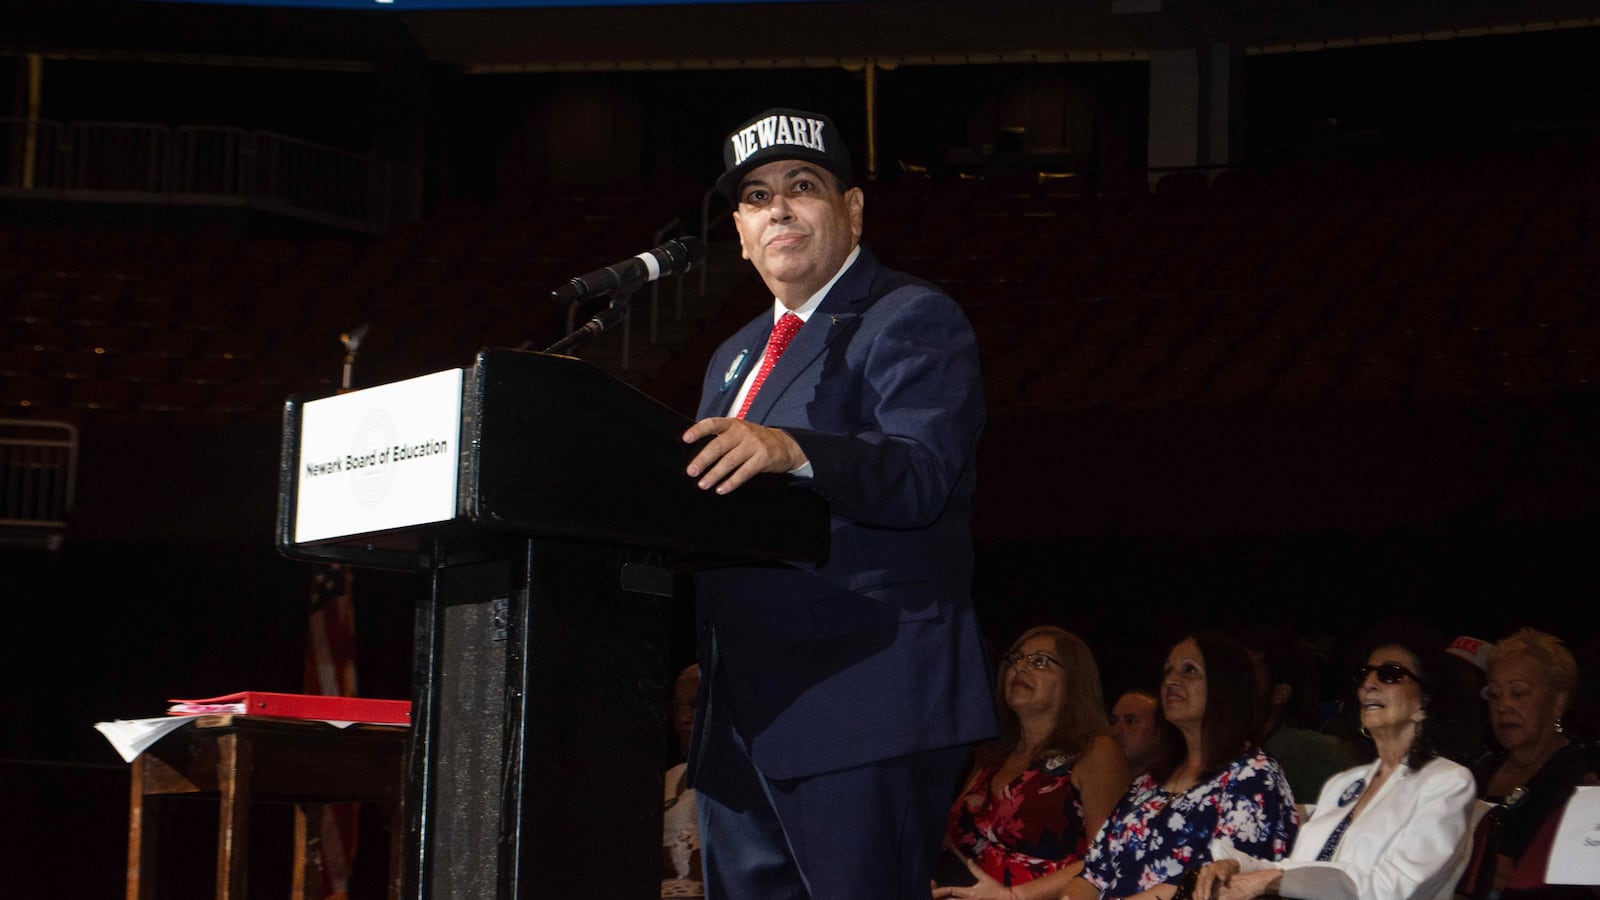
(38, 474)
(139, 162)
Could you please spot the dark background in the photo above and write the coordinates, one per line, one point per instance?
(1125, 521)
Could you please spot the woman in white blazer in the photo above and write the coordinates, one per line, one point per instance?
(1394, 829)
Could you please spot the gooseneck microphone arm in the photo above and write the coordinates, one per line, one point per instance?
(620, 281)
(614, 313)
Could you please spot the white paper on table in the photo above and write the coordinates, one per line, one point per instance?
(1575, 854)
(132, 737)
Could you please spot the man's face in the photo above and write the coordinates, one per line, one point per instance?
(1133, 727)
(795, 227)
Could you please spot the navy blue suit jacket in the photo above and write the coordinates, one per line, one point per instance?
(877, 652)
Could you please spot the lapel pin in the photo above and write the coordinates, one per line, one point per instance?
(735, 368)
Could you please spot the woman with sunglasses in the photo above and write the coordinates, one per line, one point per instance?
(1213, 781)
(1019, 829)
(1393, 829)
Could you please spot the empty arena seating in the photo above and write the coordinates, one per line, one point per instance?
(1427, 280)
(138, 323)
(1399, 281)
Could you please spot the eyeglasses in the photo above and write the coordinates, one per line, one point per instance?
(1495, 693)
(1388, 673)
(1038, 659)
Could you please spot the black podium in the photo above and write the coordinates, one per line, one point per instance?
(540, 657)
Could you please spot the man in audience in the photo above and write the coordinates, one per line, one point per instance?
(1133, 727)
(839, 702)
(1469, 660)
(1284, 669)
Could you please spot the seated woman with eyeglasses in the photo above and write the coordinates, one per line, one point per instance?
(1533, 678)
(1391, 829)
(1035, 795)
(1213, 781)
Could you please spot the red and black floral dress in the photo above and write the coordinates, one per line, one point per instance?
(1032, 828)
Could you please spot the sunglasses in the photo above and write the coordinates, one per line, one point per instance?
(1388, 673)
(1038, 659)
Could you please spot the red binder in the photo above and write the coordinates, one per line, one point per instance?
(298, 706)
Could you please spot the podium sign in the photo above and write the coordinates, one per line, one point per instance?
(379, 459)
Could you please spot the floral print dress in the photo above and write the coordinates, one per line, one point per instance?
(1033, 828)
(1154, 837)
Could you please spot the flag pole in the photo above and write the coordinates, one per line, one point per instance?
(330, 668)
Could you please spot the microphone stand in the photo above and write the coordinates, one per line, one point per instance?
(352, 345)
(615, 312)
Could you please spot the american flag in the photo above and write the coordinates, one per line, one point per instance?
(331, 670)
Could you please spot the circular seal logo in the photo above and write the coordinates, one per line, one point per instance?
(372, 471)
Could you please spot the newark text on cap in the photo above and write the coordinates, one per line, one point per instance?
(774, 130)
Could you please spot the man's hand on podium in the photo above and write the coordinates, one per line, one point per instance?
(739, 450)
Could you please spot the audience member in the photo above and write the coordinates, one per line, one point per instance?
(1219, 784)
(1393, 829)
(1133, 727)
(1469, 660)
(1285, 665)
(1532, 680)
(1036, 794)
(680, 829)
(1469, 649)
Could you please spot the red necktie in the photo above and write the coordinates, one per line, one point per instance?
(782, 334)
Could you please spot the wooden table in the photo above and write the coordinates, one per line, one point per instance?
(260, 759)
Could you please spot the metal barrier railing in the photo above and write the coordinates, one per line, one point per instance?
(211, 161)
(708, 222)
(262, 169)
(114, 156)
(38, 478)
(672, 229)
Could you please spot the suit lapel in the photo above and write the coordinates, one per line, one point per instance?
(835, 311)
(735, 364)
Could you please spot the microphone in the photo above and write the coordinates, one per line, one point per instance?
(672, 258)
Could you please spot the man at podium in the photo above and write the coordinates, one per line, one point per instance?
(839, 701)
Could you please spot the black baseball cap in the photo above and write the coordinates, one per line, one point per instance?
(783, 134)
